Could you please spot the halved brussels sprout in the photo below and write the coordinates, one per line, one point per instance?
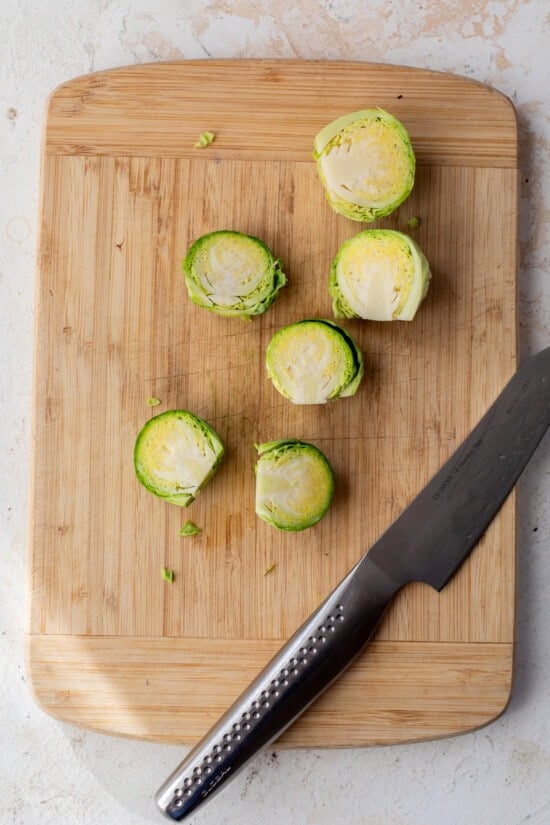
(294, 484)
(314, 361)
(366, 163)
(380, 275)
(176, 453)
(232, 274)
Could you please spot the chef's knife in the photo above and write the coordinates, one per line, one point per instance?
(427, 543)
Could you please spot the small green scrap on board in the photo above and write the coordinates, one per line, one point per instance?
(204, 140)
(190, 529)
(167, 574)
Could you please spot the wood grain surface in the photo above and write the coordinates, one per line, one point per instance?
(111, 645)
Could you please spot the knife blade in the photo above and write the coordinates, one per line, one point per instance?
(427, 543)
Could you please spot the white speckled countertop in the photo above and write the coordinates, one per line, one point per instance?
(51, 773)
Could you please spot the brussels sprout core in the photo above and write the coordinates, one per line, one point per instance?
(366, 164)
(313, 361)
(232, 274)
(175, 454)
(379, 274)
(294, 484)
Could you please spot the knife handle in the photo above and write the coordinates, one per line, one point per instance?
(317, 653)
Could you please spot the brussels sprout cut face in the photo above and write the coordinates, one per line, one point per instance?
(232, 274)
(176, 453)
(366, 164)
(379, 274)
(294, 484)
(314, 361)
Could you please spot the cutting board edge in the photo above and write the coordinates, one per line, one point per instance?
(424, 714)
(268, 61)
(81, 85)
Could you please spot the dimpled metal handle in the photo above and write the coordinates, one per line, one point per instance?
(315, 655)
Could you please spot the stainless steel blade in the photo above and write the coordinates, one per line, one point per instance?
(441, 526)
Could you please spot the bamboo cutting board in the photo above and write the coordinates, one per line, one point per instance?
(111, 645)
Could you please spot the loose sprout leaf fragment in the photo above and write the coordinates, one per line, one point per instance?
(205, 139)
(379, 275)
(167, 574)
(190, 529)
(153, 402)
(366, 164)
(294, 484)
(314, 361)
(176, 454)
(233, 274)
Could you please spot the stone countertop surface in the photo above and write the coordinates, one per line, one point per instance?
(52, 773)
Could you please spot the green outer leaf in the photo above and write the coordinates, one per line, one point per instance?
(349, 384)
(334, 128)
(275, 450)
(354, 383)
(245, 307)
(332, 133)
(365, 214)
(278, 445)
(340, 306)
(419, 288)
(183, 499)
(420, 284)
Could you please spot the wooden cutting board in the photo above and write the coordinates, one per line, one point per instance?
(111, 645)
